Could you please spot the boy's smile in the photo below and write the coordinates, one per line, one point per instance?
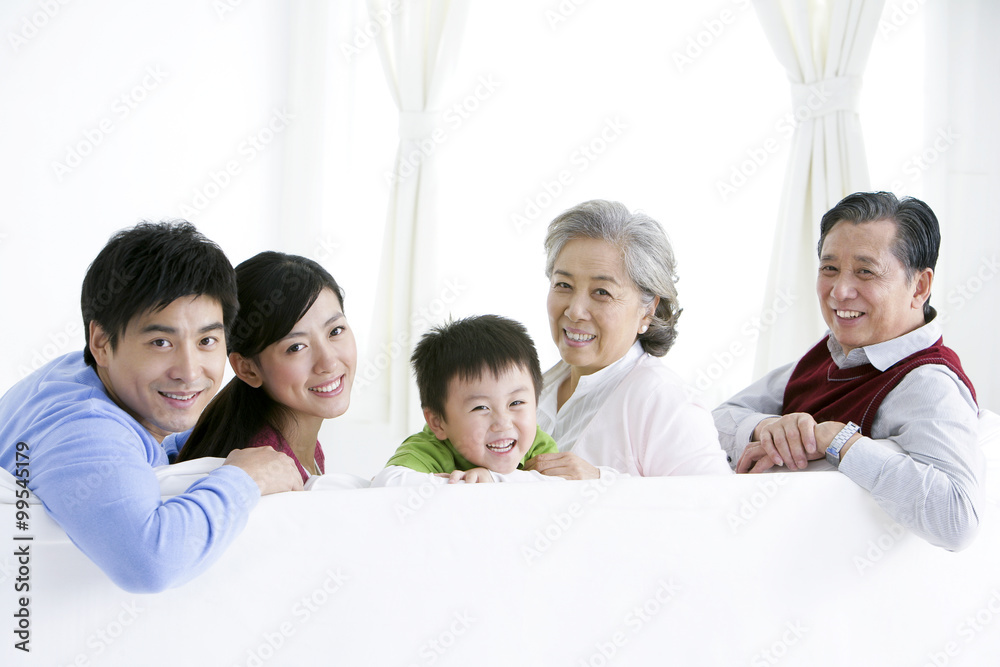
(489, 420)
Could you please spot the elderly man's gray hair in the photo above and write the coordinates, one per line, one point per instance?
(647, 258)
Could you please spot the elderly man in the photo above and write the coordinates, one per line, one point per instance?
(880, 396)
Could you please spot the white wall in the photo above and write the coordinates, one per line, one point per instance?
(532, 86)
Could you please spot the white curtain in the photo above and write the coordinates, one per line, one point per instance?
(823, 46)
(961, 151)
(301, 214)
(417, 45)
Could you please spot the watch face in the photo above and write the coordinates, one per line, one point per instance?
(833, 456)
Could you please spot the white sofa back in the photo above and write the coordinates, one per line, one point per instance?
(796, 569)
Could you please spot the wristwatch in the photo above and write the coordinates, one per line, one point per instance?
(838, 442)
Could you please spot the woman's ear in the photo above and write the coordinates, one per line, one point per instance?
(246, 369)
(647, 317)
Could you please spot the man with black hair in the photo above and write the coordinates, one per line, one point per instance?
(156, 302)
(881, 397)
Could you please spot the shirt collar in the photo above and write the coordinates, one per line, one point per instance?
(612, 373)
(883, 355)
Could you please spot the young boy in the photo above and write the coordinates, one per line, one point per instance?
(479, 381)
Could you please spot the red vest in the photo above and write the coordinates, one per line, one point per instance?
(829, 393)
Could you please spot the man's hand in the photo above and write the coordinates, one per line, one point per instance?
(754, 459)
(563, 464)
(274, 472)
(827, 431)
(789, 440)
(758, 458)
(471, 476)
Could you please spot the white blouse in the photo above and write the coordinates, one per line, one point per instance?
(633, 416)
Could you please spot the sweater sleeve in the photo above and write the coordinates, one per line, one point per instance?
(94, 477)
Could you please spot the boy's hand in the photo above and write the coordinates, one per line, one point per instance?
(470, 476)
(563, 464)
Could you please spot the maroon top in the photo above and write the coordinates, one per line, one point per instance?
(828, 393)
(268, 437)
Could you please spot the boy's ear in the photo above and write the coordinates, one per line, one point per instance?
(436, 424)
(246, 369)
(100, 344)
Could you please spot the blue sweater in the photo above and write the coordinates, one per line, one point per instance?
(91, 465)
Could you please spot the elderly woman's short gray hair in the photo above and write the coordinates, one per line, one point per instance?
(646, 255)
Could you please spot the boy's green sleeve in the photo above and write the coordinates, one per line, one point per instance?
(424, 453)
(543, 444)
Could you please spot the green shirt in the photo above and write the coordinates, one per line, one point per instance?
(423, 452)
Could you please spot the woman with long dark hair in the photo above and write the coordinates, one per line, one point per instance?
(294, 357)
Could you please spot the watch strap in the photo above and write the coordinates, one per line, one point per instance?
(838, 442)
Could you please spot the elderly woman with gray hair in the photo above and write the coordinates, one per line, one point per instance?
(613, 311)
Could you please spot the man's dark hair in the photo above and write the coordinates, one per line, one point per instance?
(147, 267)
(918, 237)
(467, 349)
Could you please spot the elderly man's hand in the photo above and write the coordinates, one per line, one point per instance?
(789, 440)
(563, 464)
(754, 459)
